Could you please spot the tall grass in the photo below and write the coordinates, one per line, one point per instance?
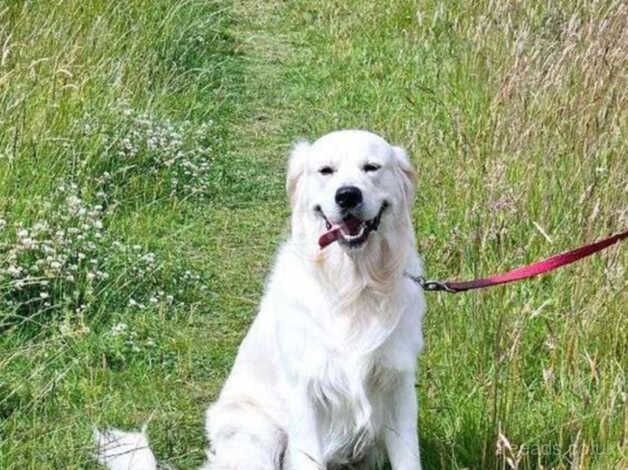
(111, 117)
(141, 174)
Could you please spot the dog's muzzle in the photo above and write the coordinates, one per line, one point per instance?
(351, 232)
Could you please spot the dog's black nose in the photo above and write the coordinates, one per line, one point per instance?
(348, 197)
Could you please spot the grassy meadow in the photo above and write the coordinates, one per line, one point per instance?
(142, 150)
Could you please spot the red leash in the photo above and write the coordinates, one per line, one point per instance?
(523, 272)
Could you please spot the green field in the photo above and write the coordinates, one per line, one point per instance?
(142, 151)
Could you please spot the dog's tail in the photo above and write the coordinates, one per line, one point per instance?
(242, 436)
(122, 450)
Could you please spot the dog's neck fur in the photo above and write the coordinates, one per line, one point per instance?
(361, 280)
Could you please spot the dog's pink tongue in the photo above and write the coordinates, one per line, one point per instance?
(351, 225)
(329, 236)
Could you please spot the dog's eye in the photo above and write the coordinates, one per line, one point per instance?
(326, 170)
(370, 167)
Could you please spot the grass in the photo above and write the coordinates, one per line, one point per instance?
(141, 198)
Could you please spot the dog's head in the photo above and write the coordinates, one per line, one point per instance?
(350, 186)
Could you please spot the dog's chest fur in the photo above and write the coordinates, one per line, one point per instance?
(352, 373)
(349, 393)
(348, 351)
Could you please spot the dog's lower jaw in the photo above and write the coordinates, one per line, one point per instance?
(375, 262)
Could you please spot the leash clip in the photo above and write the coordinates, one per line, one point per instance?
(431, 285)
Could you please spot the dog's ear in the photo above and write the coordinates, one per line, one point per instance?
(296, 166)
(407, 173)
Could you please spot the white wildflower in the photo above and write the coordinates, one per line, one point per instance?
(118, 329)
(14, 271)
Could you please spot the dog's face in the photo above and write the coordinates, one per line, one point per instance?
(350, 184)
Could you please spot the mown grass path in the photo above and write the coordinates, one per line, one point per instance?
(515, 117)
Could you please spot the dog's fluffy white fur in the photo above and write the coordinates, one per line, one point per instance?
(326, 374)
(122, 450)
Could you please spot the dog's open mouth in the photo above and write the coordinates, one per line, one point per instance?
(352, 231)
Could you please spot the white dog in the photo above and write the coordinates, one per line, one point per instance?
(325, 376)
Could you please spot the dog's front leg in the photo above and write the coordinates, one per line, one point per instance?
(400, 434)
(304, 445)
